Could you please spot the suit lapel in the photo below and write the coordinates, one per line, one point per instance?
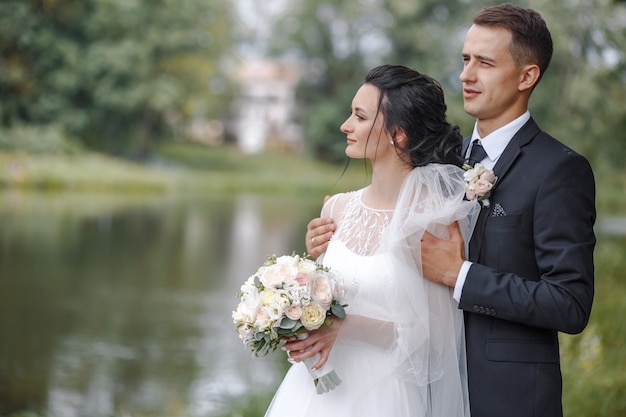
(513, 149)
(510, 154)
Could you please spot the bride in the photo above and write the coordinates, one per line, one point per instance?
(400, 351)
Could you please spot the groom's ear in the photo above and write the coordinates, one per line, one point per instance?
(529, 77)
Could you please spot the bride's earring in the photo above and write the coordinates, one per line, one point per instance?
(392, 142)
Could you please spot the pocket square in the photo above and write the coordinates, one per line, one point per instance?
(498, 211)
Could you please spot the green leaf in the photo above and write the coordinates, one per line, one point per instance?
(338, 310)
(287, 323)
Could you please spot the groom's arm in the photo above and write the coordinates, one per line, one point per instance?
(560, 295)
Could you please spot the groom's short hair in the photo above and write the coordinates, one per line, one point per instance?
(531, 41)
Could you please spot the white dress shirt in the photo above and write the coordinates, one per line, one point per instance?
(494, 144)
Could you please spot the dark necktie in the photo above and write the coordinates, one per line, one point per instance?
(477, 153)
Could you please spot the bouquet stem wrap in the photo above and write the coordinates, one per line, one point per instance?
(325, 378)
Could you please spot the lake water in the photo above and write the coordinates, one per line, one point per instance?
(122, 305)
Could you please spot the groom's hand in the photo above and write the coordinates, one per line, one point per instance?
(442, 258)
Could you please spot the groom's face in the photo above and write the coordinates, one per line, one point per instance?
(490, 78)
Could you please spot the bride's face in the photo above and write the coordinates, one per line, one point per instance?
(365, 128)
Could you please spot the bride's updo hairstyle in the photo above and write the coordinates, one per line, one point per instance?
(415, 103)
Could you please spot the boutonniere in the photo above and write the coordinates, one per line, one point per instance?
(478, 183)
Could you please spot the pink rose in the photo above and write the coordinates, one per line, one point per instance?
(488, 176)
(482, 187)
(321, 290)
(294, 312)
(302, 278)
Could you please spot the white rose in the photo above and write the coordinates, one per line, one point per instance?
(268, 296)
(245, 333)
(471, 175)
(291, 286)
(288, 260)
(249, 304)
(247, 288)
(282, 298)
(274, 275)
(241, 317)
(274, 312)
(306, 266)
(313, 316)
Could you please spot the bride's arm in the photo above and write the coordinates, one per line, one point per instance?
(358, 328)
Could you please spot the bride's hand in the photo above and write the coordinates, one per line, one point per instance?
(318, 233)
(319, 341)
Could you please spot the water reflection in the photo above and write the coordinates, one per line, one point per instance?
(114, 304)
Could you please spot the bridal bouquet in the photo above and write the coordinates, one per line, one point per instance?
(285, 297)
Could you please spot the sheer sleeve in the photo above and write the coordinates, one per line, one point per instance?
(415, 322)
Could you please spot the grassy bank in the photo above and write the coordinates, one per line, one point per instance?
(178, 168)
(183, 168)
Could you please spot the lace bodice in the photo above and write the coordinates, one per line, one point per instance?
(360, 227)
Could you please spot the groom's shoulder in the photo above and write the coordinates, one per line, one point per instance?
(550, 147)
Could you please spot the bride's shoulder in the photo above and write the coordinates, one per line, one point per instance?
(336, 204)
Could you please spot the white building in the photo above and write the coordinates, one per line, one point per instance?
(266, 110)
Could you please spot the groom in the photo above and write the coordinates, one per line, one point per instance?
(530, 269)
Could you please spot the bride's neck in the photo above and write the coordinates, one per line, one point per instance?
(383, 191)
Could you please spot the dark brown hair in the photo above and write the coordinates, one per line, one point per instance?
(415, 103)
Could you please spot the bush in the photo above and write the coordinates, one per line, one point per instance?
(48, 139)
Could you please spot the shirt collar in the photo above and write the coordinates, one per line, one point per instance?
(495, 142)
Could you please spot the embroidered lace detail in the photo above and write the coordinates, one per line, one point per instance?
(361, 227)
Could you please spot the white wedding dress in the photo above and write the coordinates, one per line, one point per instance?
(401, 350)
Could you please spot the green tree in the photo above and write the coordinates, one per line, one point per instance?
(116, 74)
(338, 41)
(581, 99)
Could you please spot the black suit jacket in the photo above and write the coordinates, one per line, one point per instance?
(532, 276)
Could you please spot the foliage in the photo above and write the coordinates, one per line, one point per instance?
(593, 362)
(117, 74)
(579, 100)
